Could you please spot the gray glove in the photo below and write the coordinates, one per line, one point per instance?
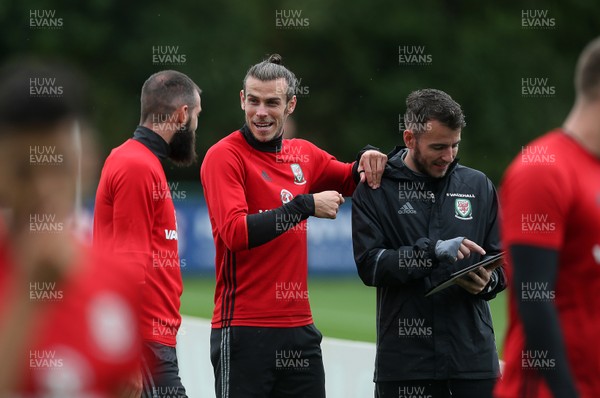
(447, 250)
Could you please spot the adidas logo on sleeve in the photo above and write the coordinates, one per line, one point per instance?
(407, 209)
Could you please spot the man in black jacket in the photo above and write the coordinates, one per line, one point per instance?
(430, 218)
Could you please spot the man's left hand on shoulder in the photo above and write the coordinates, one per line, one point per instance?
(371, 166)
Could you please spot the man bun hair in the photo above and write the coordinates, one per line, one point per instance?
(272, 69)
(275, 59)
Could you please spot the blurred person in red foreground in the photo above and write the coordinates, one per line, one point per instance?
(551, 229)
(68, 321)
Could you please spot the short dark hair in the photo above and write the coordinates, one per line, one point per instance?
(272, 69)
(430, 104)
(37, 93)
(166, 91)
(587, 73)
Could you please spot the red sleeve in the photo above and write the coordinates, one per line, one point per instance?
(535, 204)
(330, 174)
(133, 214)
(223, 176)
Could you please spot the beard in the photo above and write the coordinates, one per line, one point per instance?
(182, 149)
(420, 163)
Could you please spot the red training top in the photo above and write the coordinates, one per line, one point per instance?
(551, 199)
(265, 286)
(84, 340)
(134, 217)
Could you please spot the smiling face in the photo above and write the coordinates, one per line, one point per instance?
(432, 151)
(266, 107)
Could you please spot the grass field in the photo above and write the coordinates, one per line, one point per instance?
(342, 306)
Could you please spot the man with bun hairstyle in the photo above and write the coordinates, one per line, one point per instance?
(260, 189)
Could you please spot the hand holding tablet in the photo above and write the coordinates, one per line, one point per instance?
(489, 263)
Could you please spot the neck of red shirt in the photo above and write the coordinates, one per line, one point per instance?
(270, 146)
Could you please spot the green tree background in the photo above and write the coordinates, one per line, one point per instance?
(346, 55)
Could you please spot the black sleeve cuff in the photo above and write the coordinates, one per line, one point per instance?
(266, 226)
(496, 284)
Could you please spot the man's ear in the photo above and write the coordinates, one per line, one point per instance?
(410, 140)
(242, 100)
(291, 105)
(182, 114)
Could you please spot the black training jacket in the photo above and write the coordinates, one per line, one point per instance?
(394, 230)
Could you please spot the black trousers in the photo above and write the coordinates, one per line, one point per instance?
(160, 372)
(256, 362)
(454, 388)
